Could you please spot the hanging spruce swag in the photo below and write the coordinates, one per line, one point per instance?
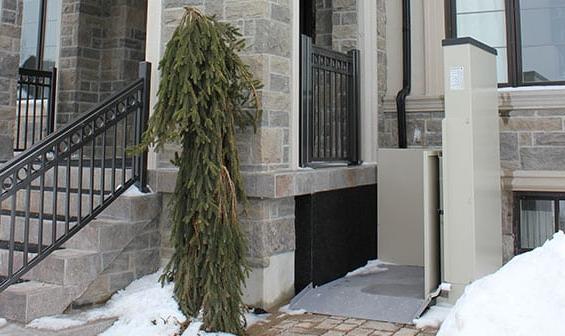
(205, 92)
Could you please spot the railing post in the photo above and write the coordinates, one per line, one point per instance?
(143, 118)
(305, 99)
(354, 110)
(51, 107)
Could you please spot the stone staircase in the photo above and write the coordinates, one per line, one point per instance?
(118, 246)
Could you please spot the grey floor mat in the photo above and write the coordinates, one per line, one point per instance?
(395, 295)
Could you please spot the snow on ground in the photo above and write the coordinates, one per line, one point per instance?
(292, 312)
(434, 316)
(372, 267)
(525, 297)
(144, 308)
(55, 323)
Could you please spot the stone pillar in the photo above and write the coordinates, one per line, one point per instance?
(345, 25)
(10, 31)
(124, 45)
(102, 42)
(82, 30)
(324, 25)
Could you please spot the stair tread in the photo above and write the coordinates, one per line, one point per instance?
(19, 246)
(31, 287)
(60, 189)
(35, 215)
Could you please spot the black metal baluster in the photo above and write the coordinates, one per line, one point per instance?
(68, 188)
(124, 152)
(54, 193)
(26, 115)
(12, 229)
(92, 157)
(26, 219)
(103, 163)
(41, 114)
(41, 207)
(80, 176)
(34, 114)
(20, 98)
(114, 154)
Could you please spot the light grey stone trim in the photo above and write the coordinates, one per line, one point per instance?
(281, 184)
(533, 180)
(508, 100)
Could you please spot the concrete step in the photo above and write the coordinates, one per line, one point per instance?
(63, 267)
(34, 225)
(27, 301)
(37, 202)
(74, 177)
(89, 328)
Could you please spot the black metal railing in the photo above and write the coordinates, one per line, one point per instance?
(35, 106)
(329, 106)
(56, 187)
(329, 112)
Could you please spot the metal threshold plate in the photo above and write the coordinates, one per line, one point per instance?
(395, 295)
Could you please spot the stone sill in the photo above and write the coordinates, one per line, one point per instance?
(280, 184)
(509, 99)
(533, 180)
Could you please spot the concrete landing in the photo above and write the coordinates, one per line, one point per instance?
(395, 295)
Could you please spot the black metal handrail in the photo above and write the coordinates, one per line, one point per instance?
(35, 119)
(60, 184)
(329, 106)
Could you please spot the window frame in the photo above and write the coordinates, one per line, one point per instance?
(513, 42)
(531, 195)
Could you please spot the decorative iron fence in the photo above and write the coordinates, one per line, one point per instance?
(56, 187)
(35, 106)
(329, 106)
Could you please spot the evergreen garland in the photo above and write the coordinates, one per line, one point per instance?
(205, 92)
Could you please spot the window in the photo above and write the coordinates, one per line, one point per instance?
(41, 25)
(537, 217)
(529, 36)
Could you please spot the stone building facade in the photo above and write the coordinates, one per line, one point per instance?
(101, 44)
(10, 29)
(102, 41)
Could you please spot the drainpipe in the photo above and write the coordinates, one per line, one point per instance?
(406, 75)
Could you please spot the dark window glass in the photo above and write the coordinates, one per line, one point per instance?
(37, 41)
(485, 21)
(543, 40)
(537, 222)
(30, 34)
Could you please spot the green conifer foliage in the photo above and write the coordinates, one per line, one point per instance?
(205, 92)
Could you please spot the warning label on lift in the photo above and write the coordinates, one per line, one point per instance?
(457, 78)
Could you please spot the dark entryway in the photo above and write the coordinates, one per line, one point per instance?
(336, 232)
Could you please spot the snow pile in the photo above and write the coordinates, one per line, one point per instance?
(434, 316)
(55, 323)
(525, 297)
(372, 267)
(144, 308)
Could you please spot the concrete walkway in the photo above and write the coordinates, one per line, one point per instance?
(320, 325)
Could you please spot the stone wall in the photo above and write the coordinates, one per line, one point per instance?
(265, 25)
(532, 139)
(10, 30)
(324, 24)
(423, 129)
(102, 42)
(345, 25)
